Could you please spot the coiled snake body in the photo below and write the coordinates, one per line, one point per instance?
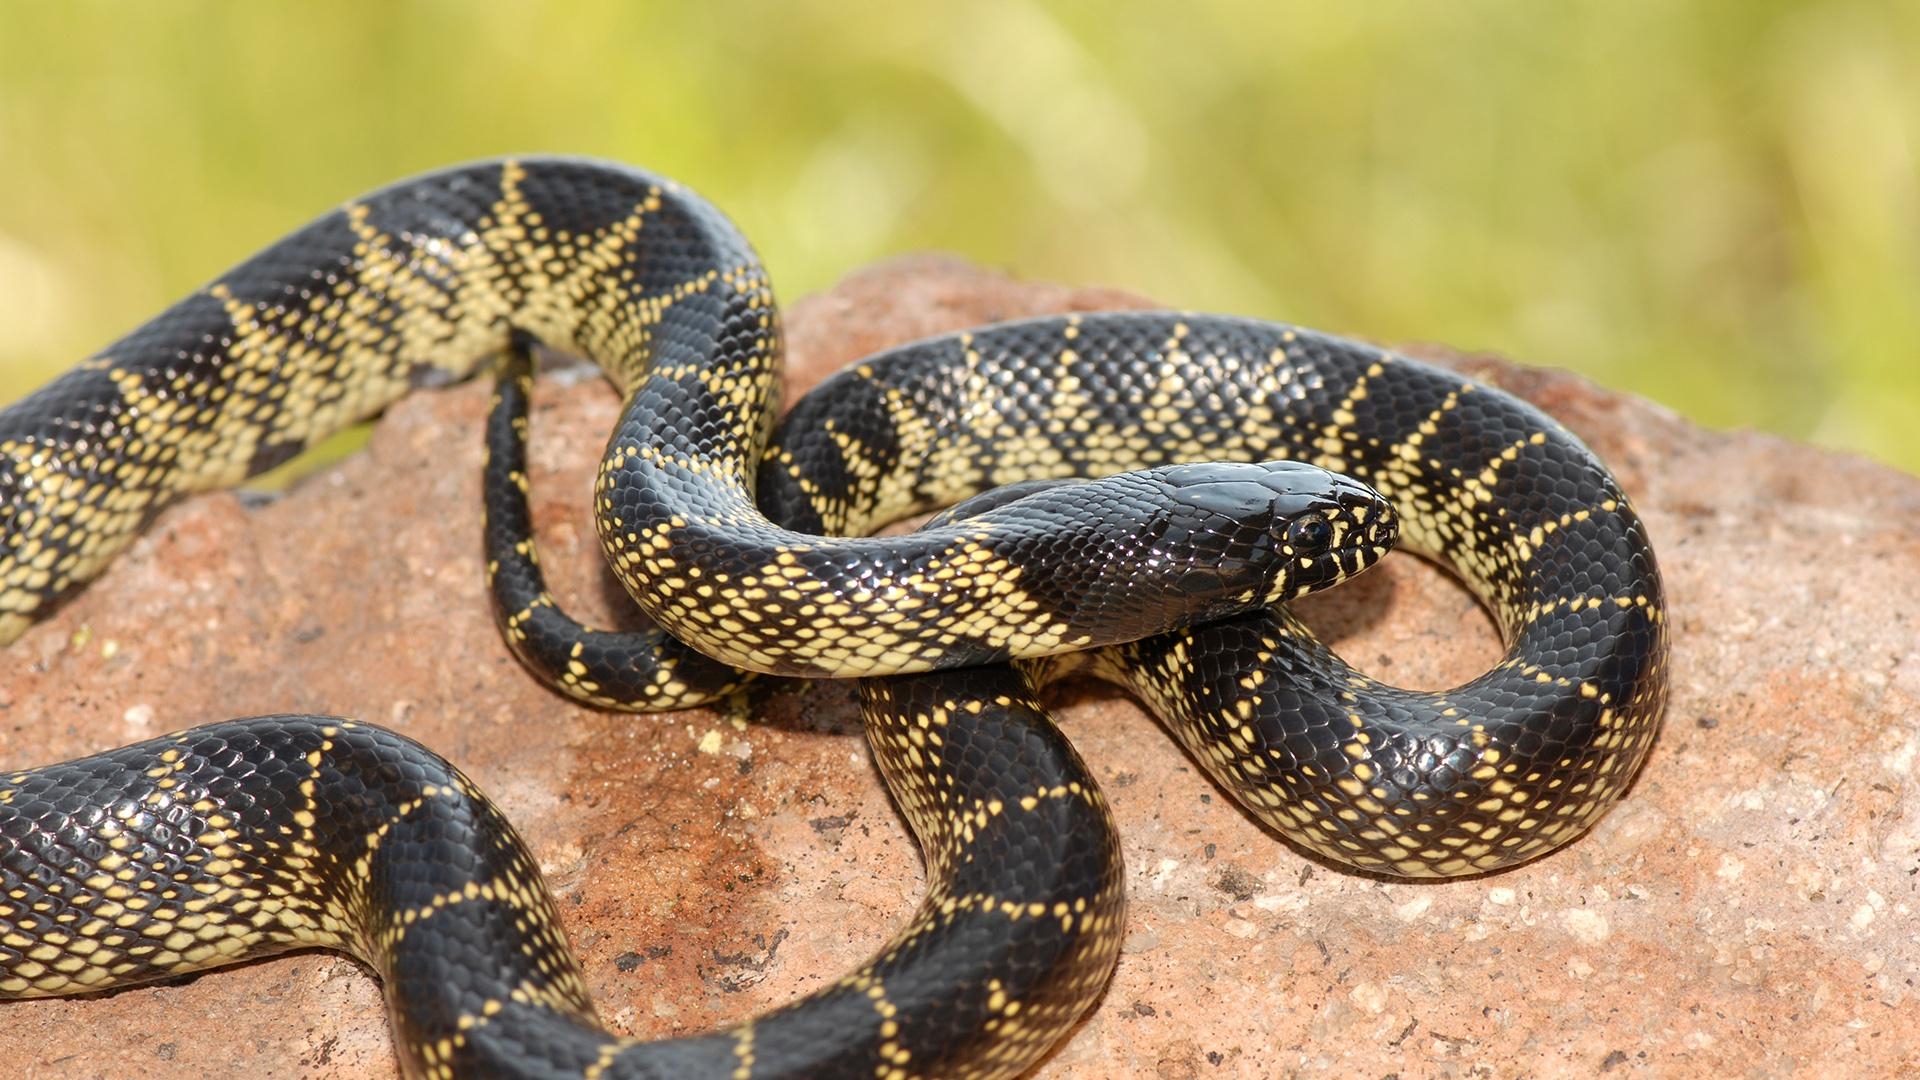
(253, 836)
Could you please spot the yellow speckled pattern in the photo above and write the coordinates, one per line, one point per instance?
(254, 836)
(1414, 784)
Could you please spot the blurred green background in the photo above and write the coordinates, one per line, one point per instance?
(1713, 204)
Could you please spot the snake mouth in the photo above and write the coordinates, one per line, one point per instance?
(1279, 529)
(1360, 527)
(1377, 532)
(1376, 526)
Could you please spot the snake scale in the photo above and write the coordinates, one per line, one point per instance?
(1164, 570)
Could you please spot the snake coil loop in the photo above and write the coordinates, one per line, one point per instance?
(748, 549)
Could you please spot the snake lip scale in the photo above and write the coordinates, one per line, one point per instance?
(1157, 485)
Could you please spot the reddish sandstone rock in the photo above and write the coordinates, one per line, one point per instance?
(1749, 910)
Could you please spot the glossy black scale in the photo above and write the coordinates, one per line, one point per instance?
(339, 830)
(1513, 764)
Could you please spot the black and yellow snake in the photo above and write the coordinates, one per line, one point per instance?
(252, 836)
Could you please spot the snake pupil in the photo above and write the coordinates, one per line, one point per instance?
(1311, 535)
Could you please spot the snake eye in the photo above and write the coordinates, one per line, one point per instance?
(1311, 535)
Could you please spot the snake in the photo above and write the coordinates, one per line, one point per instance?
(1159, 485)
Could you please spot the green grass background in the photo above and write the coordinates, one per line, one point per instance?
(1714, 204)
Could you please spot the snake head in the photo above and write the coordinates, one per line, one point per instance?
(1280, 529)
(1198, 542)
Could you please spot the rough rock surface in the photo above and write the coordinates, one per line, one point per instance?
(1750, 910)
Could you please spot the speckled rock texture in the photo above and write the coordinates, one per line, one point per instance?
(1749, 910)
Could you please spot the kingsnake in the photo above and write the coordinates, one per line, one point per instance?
(258, 835)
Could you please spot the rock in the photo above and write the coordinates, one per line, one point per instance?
(1748, 910)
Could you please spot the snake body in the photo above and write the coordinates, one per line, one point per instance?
(1413, 784)
(421, 282)
(251, 837)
